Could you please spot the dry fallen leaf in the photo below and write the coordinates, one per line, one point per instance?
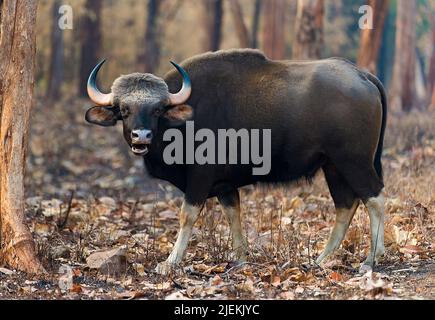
(205, 269)
(6, 271)
(276, 281)
(299, 290)
(246, 286)
(77, 272)
(76, 288)
(176, 296)
(335, 276)
(168, 214)
(131, 295)
(42, 229)
(216, 280)
(373, 283)
(287, 295)
(112, 261)
(411, 249)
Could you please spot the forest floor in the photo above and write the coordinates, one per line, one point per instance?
(101, 225)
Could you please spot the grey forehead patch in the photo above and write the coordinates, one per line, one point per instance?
(140, 88)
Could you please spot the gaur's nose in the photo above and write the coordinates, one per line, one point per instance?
(141, 136)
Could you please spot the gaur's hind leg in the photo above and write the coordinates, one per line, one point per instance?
(346, 203)
(230, 202)
(367, 185)
(375, 207)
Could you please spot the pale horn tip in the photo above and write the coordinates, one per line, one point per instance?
(186, 90)
(99, 98)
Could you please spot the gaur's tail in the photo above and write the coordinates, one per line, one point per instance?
(378, 156)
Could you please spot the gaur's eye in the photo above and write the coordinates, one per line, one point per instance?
(125, 112)
(157, 112)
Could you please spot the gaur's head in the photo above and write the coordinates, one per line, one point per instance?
(140, 101)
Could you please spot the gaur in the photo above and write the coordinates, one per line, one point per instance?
(326, 114)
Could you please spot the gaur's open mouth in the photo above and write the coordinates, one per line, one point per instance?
(139, 149)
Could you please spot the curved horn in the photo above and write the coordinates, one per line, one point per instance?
(99, 98)
(184, 94)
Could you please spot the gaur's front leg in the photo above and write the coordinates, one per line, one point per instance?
(230, 203)
(194, 200)
(188, 216)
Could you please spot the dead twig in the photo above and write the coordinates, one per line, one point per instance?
(177, 285)
(68, 210)
(262, 265)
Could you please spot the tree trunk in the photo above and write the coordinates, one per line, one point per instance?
(370, 43)
(90, 40)
(274, 29)
(55, 75)
(239, 22)
(432, 104)
(402, 93)
(431, 76)
(17, 51)
(213, 16)
(149, 60)
(308, 44)
(256, 23)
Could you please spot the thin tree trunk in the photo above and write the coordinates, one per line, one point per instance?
(274, 29)
(370, 43)
(17, 51)
(55, 75)
(432, 104)
(150, 58)
(90, 39)
(213, 16)
(239, 22)
(402, 93)
(308, 42)
(431, 76)
(256, 23)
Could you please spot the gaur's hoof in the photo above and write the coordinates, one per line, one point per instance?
(364, 268)
(369, 263)
(165, 268)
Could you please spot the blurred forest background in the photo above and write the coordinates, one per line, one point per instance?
(142, 36)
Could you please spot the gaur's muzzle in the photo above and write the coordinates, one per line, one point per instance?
(140, 139)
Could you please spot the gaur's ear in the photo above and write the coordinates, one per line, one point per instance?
(103, 116)
(178, 115)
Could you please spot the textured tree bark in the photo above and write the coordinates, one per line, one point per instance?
(274, 29)
(402, 93)
(432, 104)
(370, 42)
(55, 75)
(149, 60)
(90, 40)
(213, 16)
(308, 44)
(256, 23)
(239, 22)
(431, 76)
(17, 50)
